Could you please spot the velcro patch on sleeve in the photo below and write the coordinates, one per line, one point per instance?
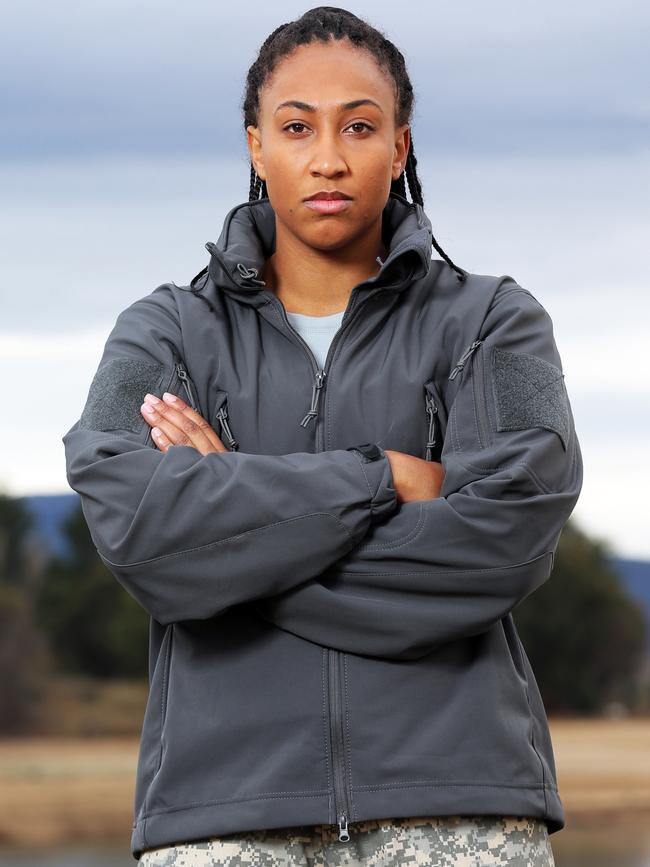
(117, 392)
(529, 392)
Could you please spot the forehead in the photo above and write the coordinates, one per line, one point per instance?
(327, 74)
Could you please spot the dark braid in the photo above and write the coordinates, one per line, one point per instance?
(326, 23)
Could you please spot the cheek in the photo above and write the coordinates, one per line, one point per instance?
(376, 169)
(281, 166)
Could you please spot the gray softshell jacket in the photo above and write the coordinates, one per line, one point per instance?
(318, 652)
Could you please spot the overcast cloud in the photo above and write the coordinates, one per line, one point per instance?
(122, 149)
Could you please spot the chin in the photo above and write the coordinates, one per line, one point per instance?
(330, 237)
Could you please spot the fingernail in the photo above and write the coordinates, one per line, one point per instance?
(169, 398)
(151, 398)
(147, 407)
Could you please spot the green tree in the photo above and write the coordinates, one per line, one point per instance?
(25, 661)
(584, 635)
(95, 627)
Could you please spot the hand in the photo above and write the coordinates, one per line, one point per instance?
(415, 478)
(175, 423)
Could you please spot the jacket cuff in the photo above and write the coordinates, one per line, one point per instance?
(377, 470)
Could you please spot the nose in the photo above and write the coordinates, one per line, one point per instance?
(327, 159)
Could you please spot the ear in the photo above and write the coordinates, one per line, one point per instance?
(402, 145)
(254, 139)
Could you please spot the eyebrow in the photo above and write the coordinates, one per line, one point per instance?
(344, 106)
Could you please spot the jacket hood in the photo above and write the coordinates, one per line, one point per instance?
(247, 239)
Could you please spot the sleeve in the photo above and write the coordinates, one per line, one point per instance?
(448, 568)
(189, 535)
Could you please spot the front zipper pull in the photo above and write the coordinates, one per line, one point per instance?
(315, 394)
(343, 828)
(182, 375)
(432, 411)
(461, 361)
(222, 415)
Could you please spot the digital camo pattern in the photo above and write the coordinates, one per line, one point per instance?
(444, 841)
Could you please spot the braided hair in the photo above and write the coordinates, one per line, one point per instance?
(325, 23)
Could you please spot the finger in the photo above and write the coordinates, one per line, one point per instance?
(193, 424)
(160, 439)
(173, 432)
(171, 435)
(180, 424)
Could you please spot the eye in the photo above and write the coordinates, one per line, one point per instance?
(295, 123)
(361, 123)
(357, 123)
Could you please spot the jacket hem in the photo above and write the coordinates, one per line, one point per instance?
(202, 821)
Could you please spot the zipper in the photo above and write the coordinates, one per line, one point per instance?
(148, 440)
(222, 415)
(187, 385)
(315, 394)
(460, 364)
(338, 746)
(437, 414)
(432, 412)
(320, 374)
(341, 799)
(478, 390)
(182, 374)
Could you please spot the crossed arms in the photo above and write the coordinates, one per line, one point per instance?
(318, 543)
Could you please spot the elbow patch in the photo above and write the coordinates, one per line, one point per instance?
(529, 392)
(117, 392)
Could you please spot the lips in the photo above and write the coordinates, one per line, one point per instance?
(328, 206)
(328, 196)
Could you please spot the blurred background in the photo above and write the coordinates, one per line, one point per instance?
(121, 150)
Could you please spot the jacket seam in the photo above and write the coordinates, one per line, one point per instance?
(268, 796)
(532, 743)
(468, 465)
(449, 571)
(469, 784)
(499, 296)
(319, 793)
(412, 534)
(164, 691)
(209, 545)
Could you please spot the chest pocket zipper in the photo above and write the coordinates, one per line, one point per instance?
(221, 416)
(179, 380)
(437, 421)
(183, 377)
(479, 385)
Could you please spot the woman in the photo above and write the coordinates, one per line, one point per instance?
(335, 675)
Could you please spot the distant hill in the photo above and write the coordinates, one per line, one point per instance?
(49, 512)
(635, 575)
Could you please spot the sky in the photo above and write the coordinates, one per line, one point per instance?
(122, 149)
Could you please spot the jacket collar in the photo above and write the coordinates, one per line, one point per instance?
(248, 239)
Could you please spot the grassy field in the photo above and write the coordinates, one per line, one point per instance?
(56, 790)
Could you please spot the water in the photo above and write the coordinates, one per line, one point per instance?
(606, 844)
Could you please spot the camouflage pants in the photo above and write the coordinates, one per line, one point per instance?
(445, 841)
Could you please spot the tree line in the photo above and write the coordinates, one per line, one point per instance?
(67, 614)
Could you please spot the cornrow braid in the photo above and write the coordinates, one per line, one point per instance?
(326, 23)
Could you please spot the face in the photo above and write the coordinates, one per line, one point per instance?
(356, 150)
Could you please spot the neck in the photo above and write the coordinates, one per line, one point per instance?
(319, 282)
